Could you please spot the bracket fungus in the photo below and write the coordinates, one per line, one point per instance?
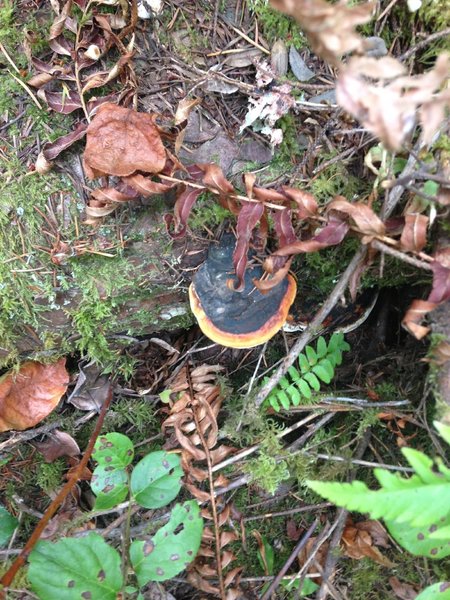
(237, 319)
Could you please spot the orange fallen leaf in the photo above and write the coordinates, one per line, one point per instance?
(121, 141)
(29, 395)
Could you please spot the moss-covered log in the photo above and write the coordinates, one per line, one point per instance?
(67, 287)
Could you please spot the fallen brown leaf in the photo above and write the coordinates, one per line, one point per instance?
(404, 591)
(120, 141)
(29, 395)
(358, 543)
(58, 443)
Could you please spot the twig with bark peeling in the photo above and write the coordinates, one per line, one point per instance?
(8, 577)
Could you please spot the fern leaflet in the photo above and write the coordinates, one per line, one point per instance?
(316, 365)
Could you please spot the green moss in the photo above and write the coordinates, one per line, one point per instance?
(275, 25)
(49, 476)
(336, 180)
(207, 213)
(269, 469)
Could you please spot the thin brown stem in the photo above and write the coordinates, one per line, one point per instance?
(8, 577)
(211, 488)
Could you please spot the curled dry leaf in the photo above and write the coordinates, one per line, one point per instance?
(52, 149)
(29, 395)
(248, 218)
(415, 315)
(414, 234)
(58, 443)
(121, 141)
(358, 542)
(363, 216)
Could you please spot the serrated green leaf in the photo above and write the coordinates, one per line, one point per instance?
(304, 364)
(272, 399)
(437, 591)
(336, 358)
(311, 355)
(75, 568)
(294, 373)
(313, 381)
(402, 500)
(321, 373)
(113, 450)
(326, 364)
(321, 347)
(156, 479)
(8, 523)
(172, 548)
(304, 388)
(284, 383)
(419, 540)
(335, 341)
(422, 465)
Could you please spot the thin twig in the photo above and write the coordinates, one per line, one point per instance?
(298, 548)
(8, 577)
(401, 256)
(426, 42)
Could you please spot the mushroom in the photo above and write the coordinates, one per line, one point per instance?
(237, 319)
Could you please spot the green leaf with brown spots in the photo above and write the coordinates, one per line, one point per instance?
(437, 591)
(114, 450)
(156, 479)
(110, 485)
(417, 540)
(75, 569)
(172, 548)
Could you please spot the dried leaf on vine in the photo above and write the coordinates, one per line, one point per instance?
(367, 222)
(414, 234)
(248, 218)
(120, 141)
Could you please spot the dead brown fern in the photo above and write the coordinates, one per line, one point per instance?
(193, 418)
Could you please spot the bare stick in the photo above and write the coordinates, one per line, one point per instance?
(401, 256)
(301, 544)
(431, 38)
(311, 331)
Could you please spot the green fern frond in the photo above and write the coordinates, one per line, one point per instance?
(316, 366)
(421, 499)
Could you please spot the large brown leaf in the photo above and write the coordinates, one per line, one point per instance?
(120, 141)
(363, 216)
(29, 395)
